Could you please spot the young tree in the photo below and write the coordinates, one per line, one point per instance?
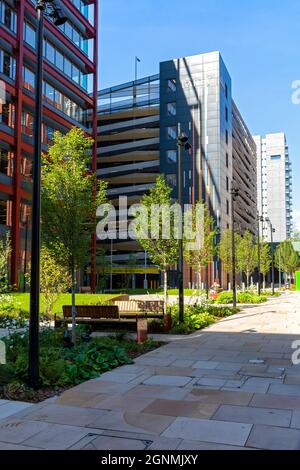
(247, 255)
(286, 258)
(70, 197)
(225, 249)
(199, 256)
(265, 261)
(55, 278)
(5, 252)
(162, 251)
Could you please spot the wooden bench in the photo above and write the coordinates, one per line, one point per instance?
(147, 308)
(89, 314)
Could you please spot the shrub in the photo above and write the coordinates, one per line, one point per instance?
(226, 297)
(198, 317)
(61, 366)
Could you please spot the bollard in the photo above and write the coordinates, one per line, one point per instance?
(141, 330)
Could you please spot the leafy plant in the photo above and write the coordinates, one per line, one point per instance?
(226, 297)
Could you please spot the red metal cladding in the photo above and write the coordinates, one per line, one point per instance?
(94, 158)
(19, 145)
(17, 158)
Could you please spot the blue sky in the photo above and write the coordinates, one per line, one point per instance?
(258, 39)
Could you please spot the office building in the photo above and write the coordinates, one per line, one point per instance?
(69, 99)
(137, 140)
(274, 185)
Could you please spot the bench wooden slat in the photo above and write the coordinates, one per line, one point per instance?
(92, 311)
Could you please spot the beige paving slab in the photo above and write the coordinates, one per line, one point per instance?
(56, 437)
(9, 446)
(75, 398)
(132, 422)
(248, 414)
(172, 393)
(209, 431)
(196, 445)
(183, 363)
(219, 397)
(116, 376)
(10, 408)
(168, 380)
(296, 420)
(16, 431)
(205, 365)
(274, 438)
(122, 403)
(276, 401)
(62, 414)
(292, 380)
(181, 408)
(283, 389)
(104, 387)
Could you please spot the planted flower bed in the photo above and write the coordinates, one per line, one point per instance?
(63, 366)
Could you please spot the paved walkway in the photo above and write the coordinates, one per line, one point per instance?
(232, 386)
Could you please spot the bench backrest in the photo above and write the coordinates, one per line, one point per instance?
(136, 306)
(127, 306)
(92, 311)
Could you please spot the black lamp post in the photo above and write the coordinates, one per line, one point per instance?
(58, 18)
(259, 219)
(234, 194)
(182, 142)
(25, 253)
(272, 231)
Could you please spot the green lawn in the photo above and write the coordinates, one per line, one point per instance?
(187, 292)
(64, 299)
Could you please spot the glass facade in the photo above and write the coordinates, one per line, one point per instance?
(56, 58)
(6, 162)
(8, 17)
(7, 65)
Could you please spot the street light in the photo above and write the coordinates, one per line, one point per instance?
(272, 230)
(58, 18)
(234, 194)
(182, 142)
(259, 219)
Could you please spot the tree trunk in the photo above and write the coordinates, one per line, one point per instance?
(165, 273)
(248, 277)
(199, 279)
(264, 282)
(73, 308)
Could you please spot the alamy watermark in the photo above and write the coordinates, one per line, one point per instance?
(296, 354)
(159, 222)
(296, 93)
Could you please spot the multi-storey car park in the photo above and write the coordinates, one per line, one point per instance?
(137, 140)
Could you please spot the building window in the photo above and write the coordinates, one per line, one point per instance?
(226, 90)
(171, 133)
(227, 137)
(275, 157)
(7, 114)
(172, 180)
(227, 160)
(171, 156)
(29, 35)
(8, 17)
(28, 79)
(6, 162)
(5, 212)
(171, 109)
(26, 168)
(227, 183)
(7, 65)
(172, 85)
(227, 207)
(49, 52)
(27, 124)
(226, 113)
(49, 93)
